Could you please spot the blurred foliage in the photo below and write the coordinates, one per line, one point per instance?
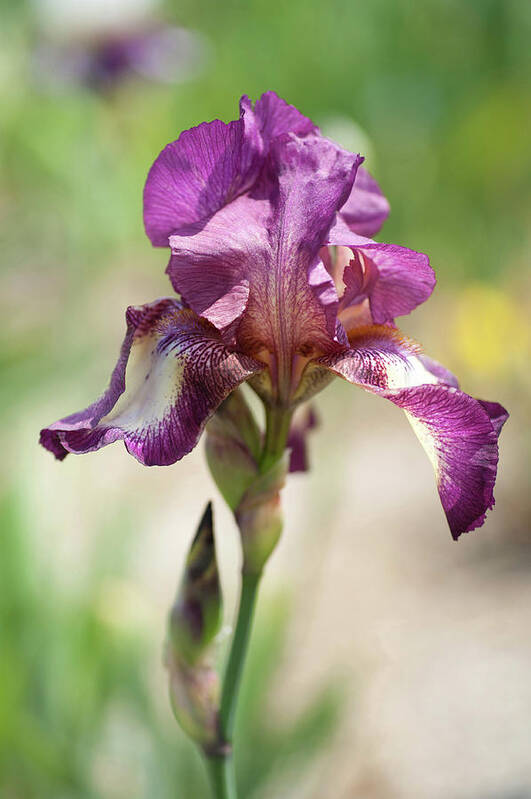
(77, 718)
(440, 90)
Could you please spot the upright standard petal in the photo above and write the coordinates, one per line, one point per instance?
(295, 301)
(195, 176)
(458, 432)
(267, 244)
(275, 117)
(366, 208)
(214, 163)
(394, 280)
(172, 374)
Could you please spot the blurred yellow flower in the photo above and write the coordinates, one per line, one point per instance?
(490, 333)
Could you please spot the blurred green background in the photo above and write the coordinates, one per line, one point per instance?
(388, 661)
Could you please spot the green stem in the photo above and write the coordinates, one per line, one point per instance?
(221, 772)
(221, 766)
(233, 673)
(278, 421)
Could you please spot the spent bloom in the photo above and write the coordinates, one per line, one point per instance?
(279, 284)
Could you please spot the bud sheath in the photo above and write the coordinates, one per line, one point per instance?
(194, 621)
(196, 615)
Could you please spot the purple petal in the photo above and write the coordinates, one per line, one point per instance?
(400, 279)
(294, 301)
(198, 174)
(458, 432)
(439, 371)
(213, 163)
(315, 176)
(462, 444)
(172, 373)
(275, 117)
(269, 242)
(304, 420)
(213, 266)
(379, 358)
(496, 413)
(366, 209)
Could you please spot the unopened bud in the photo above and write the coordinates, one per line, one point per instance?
(304, 420)
(250, 484)
(233, 444)
(195, 617)
(194, 620)
(195, 697)
(259, 516)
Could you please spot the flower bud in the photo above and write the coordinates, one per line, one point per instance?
(195, 697)
(196, 615)
(249, 483)
(233, 445)
(259, 516)
(194, 620)
(304, 420)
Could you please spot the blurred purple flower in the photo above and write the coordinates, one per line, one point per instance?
(159, 53)
(267, 223)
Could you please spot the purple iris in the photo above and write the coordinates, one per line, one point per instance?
(159, 53)
(279, 284)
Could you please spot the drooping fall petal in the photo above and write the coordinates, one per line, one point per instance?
(461, 441)
(172, 374)
(458, 432)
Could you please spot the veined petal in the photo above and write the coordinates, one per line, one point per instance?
(213, 266)
(497, 414)
(292, 305)
(275, 116)
(366, 209)
(195, 176)
(212, 164)
(269, 241)
(458, 432)
(400, 279)
(439, 371)
(379, 358)
(461, 442)
(172, 374)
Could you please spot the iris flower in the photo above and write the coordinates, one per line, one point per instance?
(279, 284)
(159, 53)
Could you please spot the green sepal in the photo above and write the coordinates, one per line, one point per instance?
(233, 444)
(259, 516)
